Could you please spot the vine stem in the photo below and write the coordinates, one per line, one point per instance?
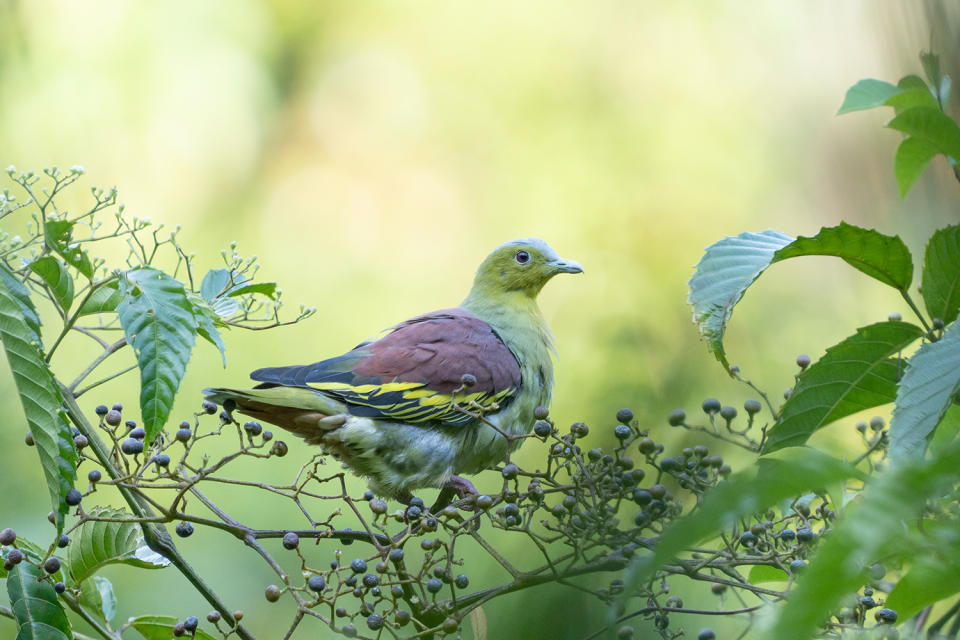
(156, 538)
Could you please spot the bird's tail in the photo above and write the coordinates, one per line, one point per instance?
(301, 411)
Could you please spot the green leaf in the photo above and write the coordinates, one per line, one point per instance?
(96, 594)
(159, 323)
(941, 274)
(913, 98)
(946, 431)
(927, 581)
(104, 299)
(932, 125)
(931, 67)
(40, 616)
(926, 392)
(38, 393)
(98, 543)
(55, 275)
(59, 237)
(721, 278)
(867, 94)
(161, 628)
(868, 530)
(208, 331)
(912, 81)
(859, 373)
(764, 573)
(21, 296)
(730, 266)
(885, 258)
(214, 283)
(770, 481)
(913, 156)
(268, 289)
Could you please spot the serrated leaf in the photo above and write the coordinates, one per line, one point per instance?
(865, 533)
(21, 296)
(913, 156)
(763, 573)
(926, 392)
(104, 299)
(97, 595)
(59, 237)
(161, 628)
(771, 480)
(731, 265)
(885, 258)
(268, 289)
(40, 616)
(97, 544)
(214, 283)
(867, 94)
(927, 581)
(722, 276)
(941, 274)
(159, 324)
(858, 373)
(932, 125)
(55, 275)
(38, 393)
(225, 307)
(208, 331)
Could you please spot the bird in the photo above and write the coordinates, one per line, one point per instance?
(435, 396)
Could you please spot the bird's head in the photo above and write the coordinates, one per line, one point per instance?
(520, 266)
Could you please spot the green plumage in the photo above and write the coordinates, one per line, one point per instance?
(396, 411)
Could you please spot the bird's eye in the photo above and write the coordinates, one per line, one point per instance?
(522, 257)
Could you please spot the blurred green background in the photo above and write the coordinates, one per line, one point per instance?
(372, 153)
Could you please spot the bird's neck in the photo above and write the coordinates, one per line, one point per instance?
(516, 318)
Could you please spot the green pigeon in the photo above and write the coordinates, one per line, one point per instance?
(411, 410)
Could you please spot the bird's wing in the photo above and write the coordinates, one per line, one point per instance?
(411, 373)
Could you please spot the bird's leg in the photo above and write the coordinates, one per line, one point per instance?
(461, 486)
(455, 486)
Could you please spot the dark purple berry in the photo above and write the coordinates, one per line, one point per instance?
(131, 446)
(113, 418)
(94, 476)
(711, 405)
(184, 529)
(138, 433)
(290, 540)
(316, 584)
(208, 407)
(52, 565)
(8, 536)
(624, 416)
(73, 497)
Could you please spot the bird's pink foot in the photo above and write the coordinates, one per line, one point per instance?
(462, 486)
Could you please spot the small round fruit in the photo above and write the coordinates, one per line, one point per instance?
(73, 497)
(434, 585)
(647, 445)
(622, 432)
(184, 529)
(378, 506)
(138, 432)
(213, 617)
(510, 471)
(162, 460)
(468, 380)
(728, 413)
(191, 623)
(461, 581)
(94, 476)
(59, 587)
(711, 405)
(102, 409)
(358, 565)
(803, 361)
(131, 446)
(63, 541)
(885, 616)
(542, 428)
(208, 407)
(752, 406)
(52, 564)
(805, 535)
(677, 417)
(183, 434)
(374, 621)
(279, 448)
(316, 584)
(113, 418)
(290, 540)
(796, 566)
(29, 439)
(253, 428)
(272, 593)
(395, 555)
(540, 412)
(748, 539)
(706, 634)
(8, 536)
(15, 556)
(624, 416)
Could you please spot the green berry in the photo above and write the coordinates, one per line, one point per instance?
(677, 417)
(378, 506)
(647, 445)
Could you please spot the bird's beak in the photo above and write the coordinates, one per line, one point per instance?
(566, 266)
